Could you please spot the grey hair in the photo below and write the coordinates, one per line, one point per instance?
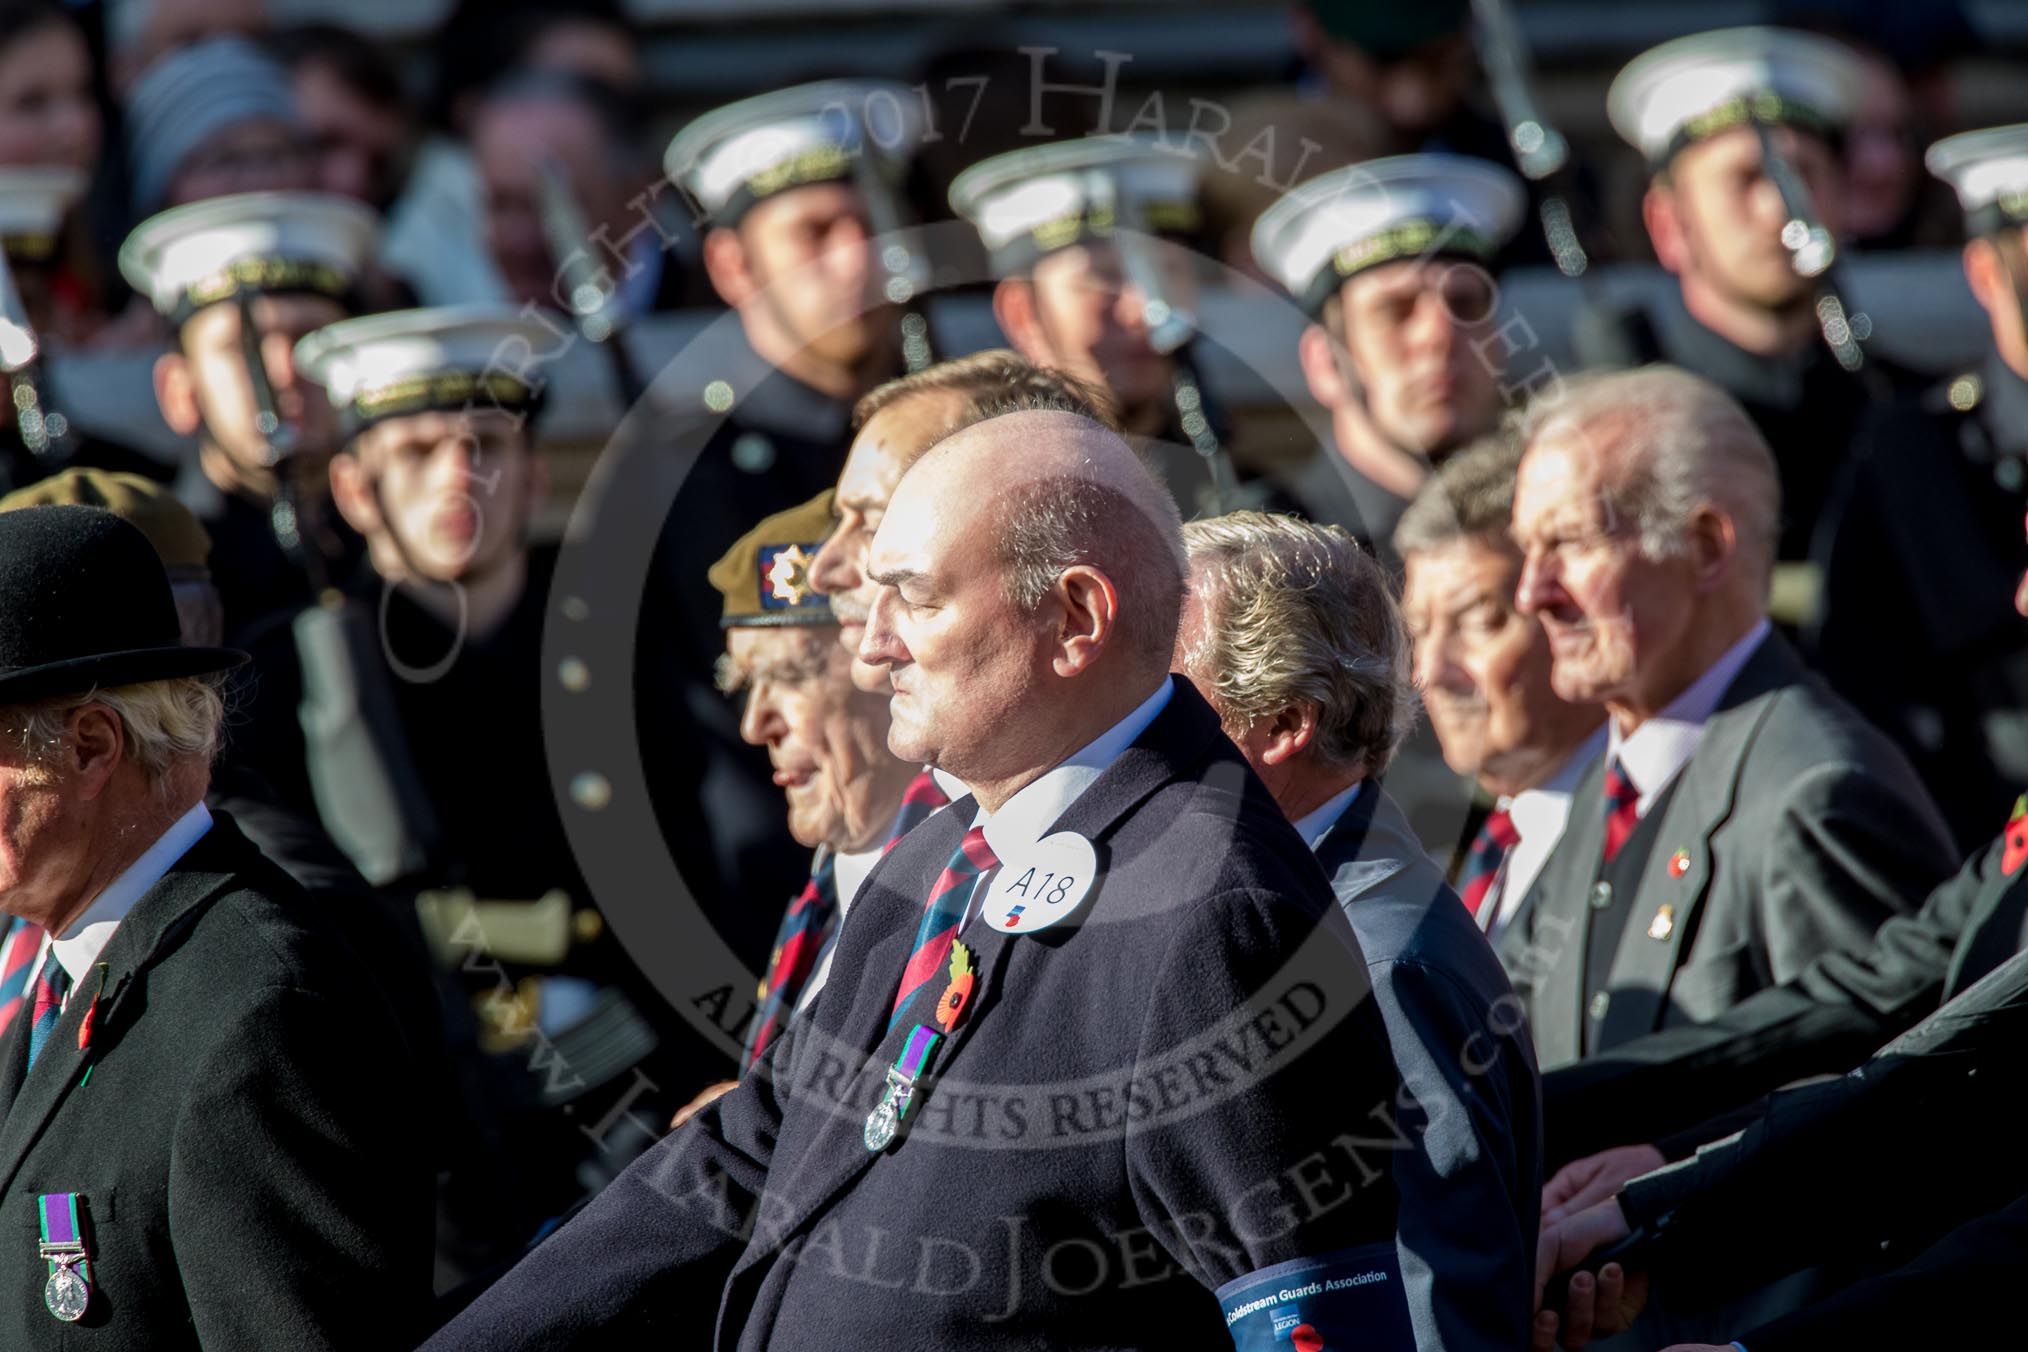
(167, 725)
(1051, 524)
(1682, 444)
(1470, 497)
(1296, 613)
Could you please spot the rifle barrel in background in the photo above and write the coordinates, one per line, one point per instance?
(1814, 255)
(591, 294)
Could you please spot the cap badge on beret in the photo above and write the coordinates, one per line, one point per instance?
(765, 577)
(788, 574)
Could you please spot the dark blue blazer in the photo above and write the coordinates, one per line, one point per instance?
(1184, 1083)
(1471, 1193)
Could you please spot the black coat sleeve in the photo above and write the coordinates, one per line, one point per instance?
(650, 1255)
(300, 1211)
(1841, 1007)
(1952, 1295)
(1804, 1182)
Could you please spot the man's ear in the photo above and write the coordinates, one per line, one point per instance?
(1090, 607)
(97, 744)
(1662, 213)
(176, 394)
(1321, 372)
(1014, 309)
(1984, 274)
(1288, 734)
(725, 263)
(1714, 547)
(353, 495)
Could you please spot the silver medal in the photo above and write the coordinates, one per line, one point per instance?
(66, 1294)
(880, 1125)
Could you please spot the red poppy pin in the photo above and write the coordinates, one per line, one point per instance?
(958, 993)
(2017, 839)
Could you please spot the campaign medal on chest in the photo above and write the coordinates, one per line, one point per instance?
(883, 1124)
(67, 1293)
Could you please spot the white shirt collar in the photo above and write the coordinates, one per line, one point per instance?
(1312, 826)
(87, 936)
(1027, 816)
(1653, 753)
(1541, 810)
(849, 874)
(1539, 815)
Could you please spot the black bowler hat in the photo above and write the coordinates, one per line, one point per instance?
(84, 604)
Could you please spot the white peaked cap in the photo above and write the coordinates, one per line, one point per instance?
(205, 251)
(1040, 198)
(1362, 215)
(1988, 170)
(1666, 96)
(35, 197)
(812, 133)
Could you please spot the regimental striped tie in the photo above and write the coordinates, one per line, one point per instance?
(1622, 809)
(918, 801)
(943, 916)
(1482, 865)
(806, 930)
(51, 985)
(17, 956)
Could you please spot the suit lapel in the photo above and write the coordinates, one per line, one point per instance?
(151, 929)
(836, 1153)
(1644, 965)
(1543, 947)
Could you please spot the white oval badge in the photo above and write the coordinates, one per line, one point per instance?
(1049, 881)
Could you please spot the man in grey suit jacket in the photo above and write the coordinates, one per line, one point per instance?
(1743, 820)
(1292, 635)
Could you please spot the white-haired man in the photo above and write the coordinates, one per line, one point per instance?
(1292, 636)
(980, 1119)
(193, 1115)
(1743, 820)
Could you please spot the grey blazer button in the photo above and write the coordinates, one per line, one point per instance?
(1600, 1003)
(1601, 895)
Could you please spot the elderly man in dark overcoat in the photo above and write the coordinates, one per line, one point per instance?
(202, 1142)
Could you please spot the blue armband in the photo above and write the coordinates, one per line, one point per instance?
(1352, 1298)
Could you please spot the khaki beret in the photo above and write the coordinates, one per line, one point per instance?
(765, 578)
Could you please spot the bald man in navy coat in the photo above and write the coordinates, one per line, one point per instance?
(1149, 1107)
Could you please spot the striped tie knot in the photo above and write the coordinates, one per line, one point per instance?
(1482, 863)
(806, 931)
(918, 801)
(17, 955)
(944, 916)
(51, 985)
(1623, 802)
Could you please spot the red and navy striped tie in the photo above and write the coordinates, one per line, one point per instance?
(1482, 865)
(943, 917)
(51, 985)
(810, 926)
(1623, 802)
(918, 801)
(17, 956)
(806, 930)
